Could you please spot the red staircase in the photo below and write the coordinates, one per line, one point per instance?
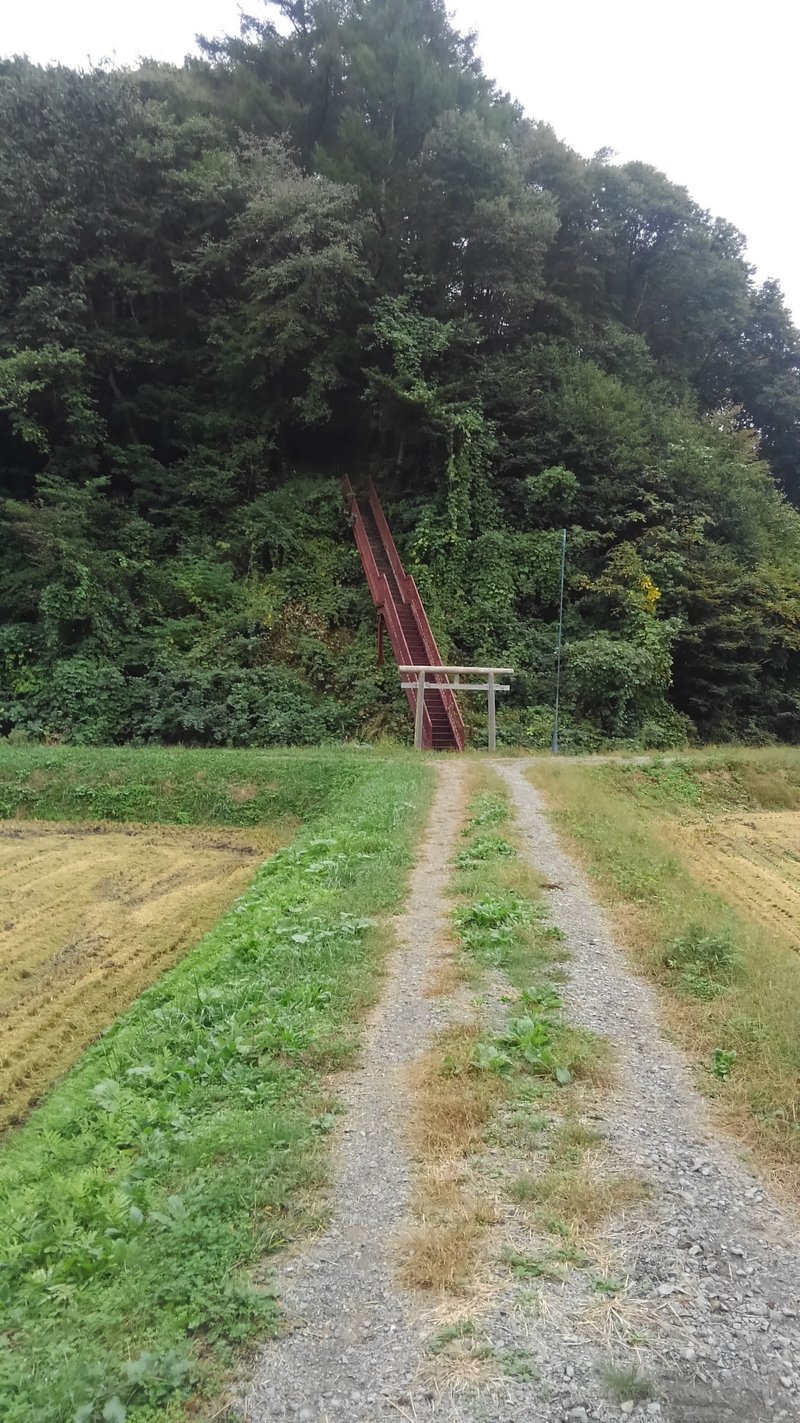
(397, 599)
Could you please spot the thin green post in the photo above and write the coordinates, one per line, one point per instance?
(554, 742)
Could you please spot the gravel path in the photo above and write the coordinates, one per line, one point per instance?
(710, 1264)
(713, 1262)
(355, 1346)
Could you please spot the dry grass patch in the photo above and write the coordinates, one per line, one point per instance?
(441, 1251)
(446, 977)
(241, 792)
(451, 1106)
(619, 1319)
(768, 787)
(464, 1369)
(576, 1199)
(443, 1247)
(753, 862)
(462, 1357)
(575, 1193)
(451, 1103)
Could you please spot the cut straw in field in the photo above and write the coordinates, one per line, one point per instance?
(89, 917)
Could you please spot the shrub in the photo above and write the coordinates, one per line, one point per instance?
(532, 727)
(710, 953)
(704, 962)
(620, 683)
(665, 730)
(93, 703)
(81, 700)
(264, 706)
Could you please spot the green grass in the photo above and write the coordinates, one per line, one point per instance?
(518, 1364)
(625, 1383)
(451, 1333)
(531, 1267)
(545, 1062)
(731, 989)
(501, 923)
(138, 1204)
(175, 786)
(708, 782)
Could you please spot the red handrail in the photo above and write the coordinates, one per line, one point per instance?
(410, 596)
(384, 602)
(386, 538)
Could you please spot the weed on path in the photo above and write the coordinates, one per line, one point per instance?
(530, 1185)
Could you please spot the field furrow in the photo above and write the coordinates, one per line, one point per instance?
(88, 919)
(753, 862)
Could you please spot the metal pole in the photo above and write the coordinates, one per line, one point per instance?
(420, 711)
(492, 710)
(554, 742)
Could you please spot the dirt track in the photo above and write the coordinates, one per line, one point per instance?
(703, 1270)
(90, 916)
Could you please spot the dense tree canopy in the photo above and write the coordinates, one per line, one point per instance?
(331, 244)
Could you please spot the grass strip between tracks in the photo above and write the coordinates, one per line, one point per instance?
(474, 1077)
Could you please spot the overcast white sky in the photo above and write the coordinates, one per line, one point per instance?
(706, 90)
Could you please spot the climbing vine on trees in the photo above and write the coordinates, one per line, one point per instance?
(329, 245)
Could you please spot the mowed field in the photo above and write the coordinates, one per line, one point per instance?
(753, 862)
(89, 917)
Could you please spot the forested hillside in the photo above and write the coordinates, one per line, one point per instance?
(332, 245)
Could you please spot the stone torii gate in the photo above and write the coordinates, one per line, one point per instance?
(431, 676)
